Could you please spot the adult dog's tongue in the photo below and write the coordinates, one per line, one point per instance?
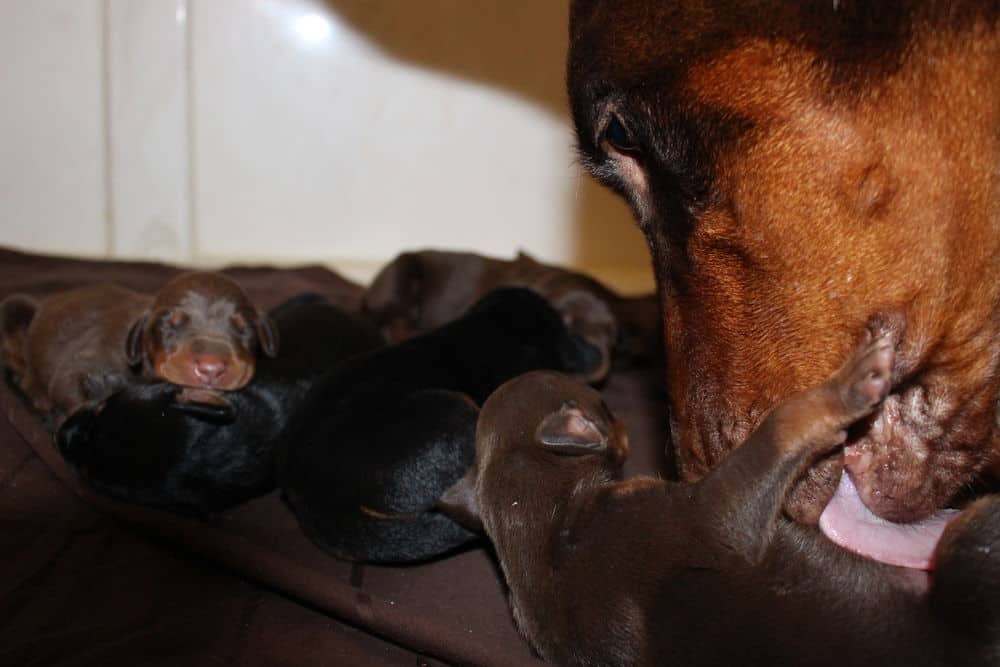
(849, 523)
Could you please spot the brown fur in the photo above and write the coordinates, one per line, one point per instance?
(648, 572)
(420, 291)
(803, 170)
(77, 347)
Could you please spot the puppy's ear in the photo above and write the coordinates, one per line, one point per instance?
(267, 334)
(458, 502)
(134, 345)
(572, 432)
(16, 313)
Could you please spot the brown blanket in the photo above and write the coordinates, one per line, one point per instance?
(89, 581)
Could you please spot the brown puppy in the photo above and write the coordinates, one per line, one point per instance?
(648, 572)
(803, 170)
(420, 291)
(72, 348)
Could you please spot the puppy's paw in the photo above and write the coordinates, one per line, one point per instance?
(863, 383)
(204, 404)
(99, 385)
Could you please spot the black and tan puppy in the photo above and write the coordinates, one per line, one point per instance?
(648, 572)
(143, 445)
(419, 291)
(384, 435)
(73, 348)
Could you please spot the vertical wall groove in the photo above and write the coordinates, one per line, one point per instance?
(187, 7)
(106, 112)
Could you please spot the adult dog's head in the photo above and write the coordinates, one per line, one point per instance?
(802, 171)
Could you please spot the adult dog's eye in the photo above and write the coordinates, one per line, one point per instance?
(618, 136)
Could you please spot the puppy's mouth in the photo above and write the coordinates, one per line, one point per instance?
(218, 371)
(883, 507)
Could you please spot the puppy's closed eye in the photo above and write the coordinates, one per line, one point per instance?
(178, 319)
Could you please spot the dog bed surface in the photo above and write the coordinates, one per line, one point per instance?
(89, 581)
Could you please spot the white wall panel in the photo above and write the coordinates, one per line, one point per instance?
(339, 131)
(52, 149)
(148, 137)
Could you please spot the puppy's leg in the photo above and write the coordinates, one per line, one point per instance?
(740, 500)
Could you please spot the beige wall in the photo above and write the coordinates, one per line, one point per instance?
(206, 131)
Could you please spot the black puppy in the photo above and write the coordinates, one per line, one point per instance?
(385, 434)
(144, 445)
(648, 572)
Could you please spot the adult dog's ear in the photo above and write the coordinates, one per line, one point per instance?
(572, 432)
(134, 343)
(267, 334)
(458, 502)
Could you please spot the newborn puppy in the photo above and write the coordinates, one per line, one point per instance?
(78, 347)
(649, 572)
(202, 331)
(143, 446)
(386, 433)
(419, 291)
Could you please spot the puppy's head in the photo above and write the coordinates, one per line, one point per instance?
(585, 305)
(420, 291)
(202, 331)
(539, 436)
(144, 444)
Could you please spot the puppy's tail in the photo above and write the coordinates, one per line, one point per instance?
(965, 591)
(16, 314)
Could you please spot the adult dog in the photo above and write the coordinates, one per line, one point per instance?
(802, 171)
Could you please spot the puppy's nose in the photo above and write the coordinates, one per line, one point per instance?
(209, 368)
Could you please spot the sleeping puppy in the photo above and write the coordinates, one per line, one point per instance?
(73, 348)
(144, 446)
(648, 572)
(419, 291)
(385, 434)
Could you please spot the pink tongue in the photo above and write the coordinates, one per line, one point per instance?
(849, 523)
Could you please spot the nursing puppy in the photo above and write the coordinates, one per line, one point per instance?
(803, 170)
(73, 348)
(419, 291)
(143, 445)
(385, 434)
(649, 572)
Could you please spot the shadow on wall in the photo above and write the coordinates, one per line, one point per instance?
(521, 48)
